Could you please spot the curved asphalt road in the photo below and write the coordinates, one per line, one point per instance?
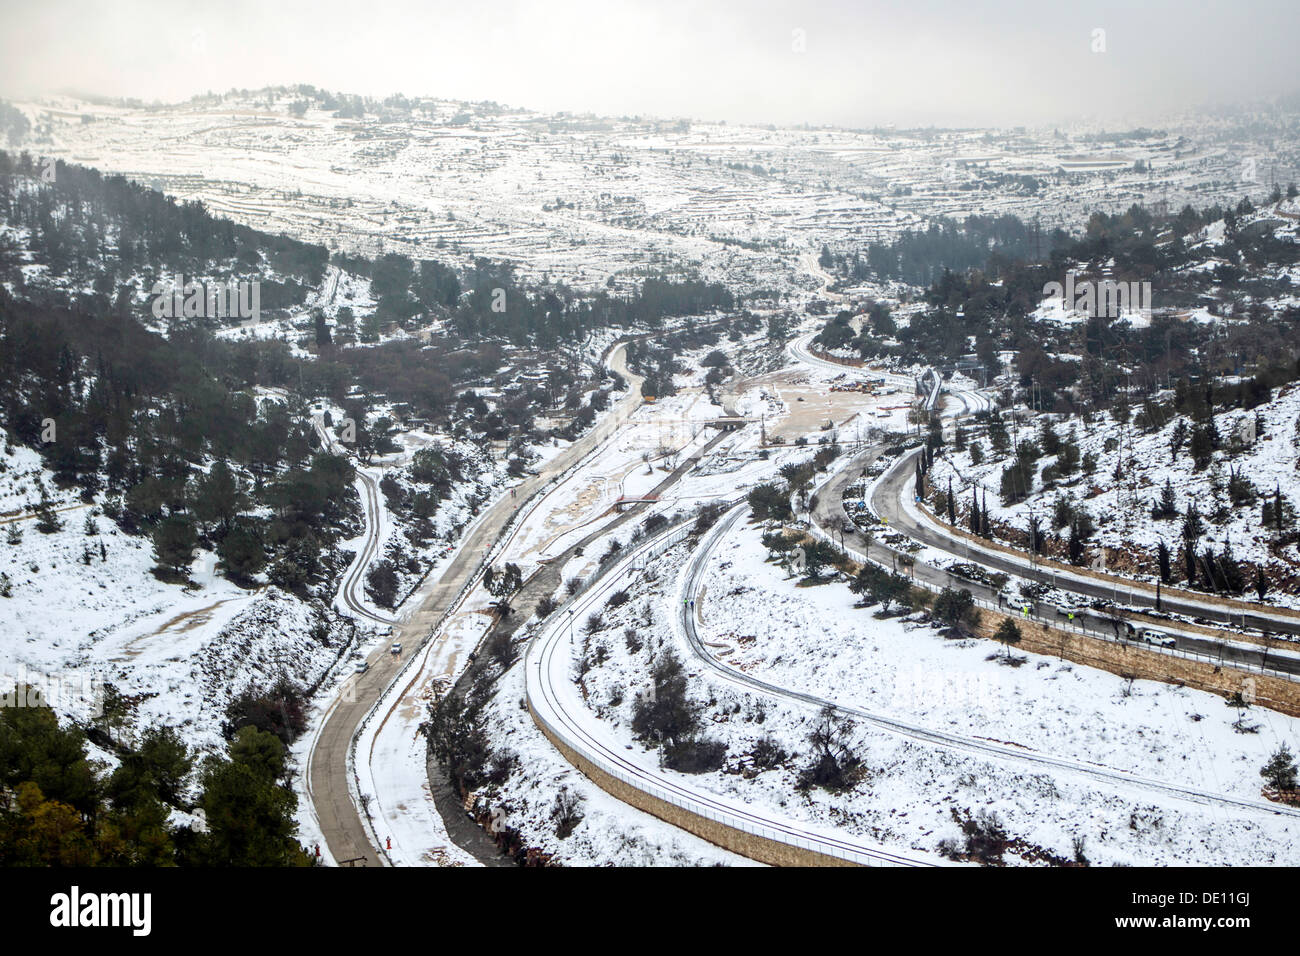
(886, 500)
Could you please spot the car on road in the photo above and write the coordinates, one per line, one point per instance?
(362, 667)
(1158, 637)
(397, 647)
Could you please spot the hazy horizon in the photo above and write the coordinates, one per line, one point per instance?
(929, 62)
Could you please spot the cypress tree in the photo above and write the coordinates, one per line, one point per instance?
(1075, 544)
(1162, 555)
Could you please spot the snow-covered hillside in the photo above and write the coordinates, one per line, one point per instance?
(814, 640)
(1121, 502)
(584, 199)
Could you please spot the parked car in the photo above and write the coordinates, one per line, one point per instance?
(1158, 637)
(362, 667)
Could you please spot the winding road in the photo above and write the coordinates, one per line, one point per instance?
(329, 774)
(831, 521)
(887, 501)
(556, 705)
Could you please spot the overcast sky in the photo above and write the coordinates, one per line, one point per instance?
(945, 62)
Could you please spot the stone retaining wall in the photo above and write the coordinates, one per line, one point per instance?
(749, 845)
(1131, 660)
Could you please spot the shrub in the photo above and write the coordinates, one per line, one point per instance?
(834, 765)
(276, 710)
(695, 755)
(654, 523)
(566, 812)
(986, 838)
(768, 754)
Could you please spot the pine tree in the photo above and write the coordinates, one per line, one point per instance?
(1275, 512)
(1201, 447)
(1177, 437)
(1168, 506)
(952, 508)
(1008, 633)
(1193, 526)
(1207, 564)
(1280, 771)
(174, 539)
(47, 522)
